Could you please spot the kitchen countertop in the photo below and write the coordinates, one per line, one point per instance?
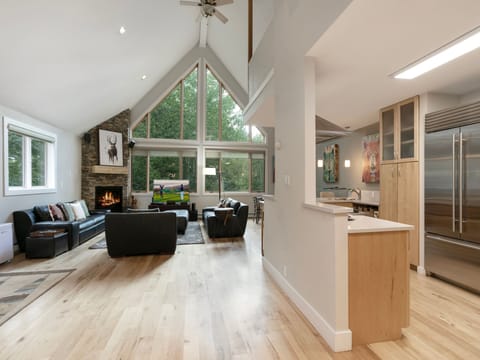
(347, 200)
(365, 224)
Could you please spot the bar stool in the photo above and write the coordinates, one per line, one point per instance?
(257, 208)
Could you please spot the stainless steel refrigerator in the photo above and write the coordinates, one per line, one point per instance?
(452, 201)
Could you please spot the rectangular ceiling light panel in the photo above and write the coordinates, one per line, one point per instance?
(461, 46)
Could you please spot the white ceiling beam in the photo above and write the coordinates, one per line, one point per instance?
(203, 32)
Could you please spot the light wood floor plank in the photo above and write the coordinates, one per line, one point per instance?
(209, 301)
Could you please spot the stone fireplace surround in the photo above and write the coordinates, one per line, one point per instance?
(90, 159)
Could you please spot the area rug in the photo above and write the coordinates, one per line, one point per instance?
(19, 289)
(193, 235)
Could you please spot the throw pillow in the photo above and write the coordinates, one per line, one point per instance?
(42, 213)
(56, 212)
(235, 205)
(84, 206)
(67, 211)
(78, 211)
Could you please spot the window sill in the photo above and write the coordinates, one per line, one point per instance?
(32, 191)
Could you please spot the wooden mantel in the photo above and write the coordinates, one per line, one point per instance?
(101, 169)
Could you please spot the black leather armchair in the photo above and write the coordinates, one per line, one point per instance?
(140, 233)
(229, 221)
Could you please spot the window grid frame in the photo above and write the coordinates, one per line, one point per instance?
(28, 134)
(201, 144)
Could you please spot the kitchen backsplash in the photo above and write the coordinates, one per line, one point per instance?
(371, 196)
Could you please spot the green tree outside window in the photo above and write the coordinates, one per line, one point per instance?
(213, 105)
(165, 118)
(140, 130)
(190, 106)
(38, 162)
(15, 159)
(139, 172)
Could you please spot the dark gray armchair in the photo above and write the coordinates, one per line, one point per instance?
(140, 233)
(229, 221)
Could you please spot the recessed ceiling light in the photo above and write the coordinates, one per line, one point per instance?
(461, 46)
(144, 77)
(122, 30)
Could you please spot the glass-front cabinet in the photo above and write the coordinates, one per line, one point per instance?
(399, 131)
(388, 132)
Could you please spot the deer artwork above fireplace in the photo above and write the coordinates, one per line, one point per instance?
(109, 198)
(110, 148)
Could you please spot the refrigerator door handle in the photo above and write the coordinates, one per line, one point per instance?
(453, 241)
(453, 182)
(460, 184)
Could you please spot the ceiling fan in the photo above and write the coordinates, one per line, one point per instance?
(208, 7)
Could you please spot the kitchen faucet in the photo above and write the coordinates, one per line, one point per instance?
(356, 191)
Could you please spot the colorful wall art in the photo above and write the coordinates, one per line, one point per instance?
(330, 163)
(371, 159)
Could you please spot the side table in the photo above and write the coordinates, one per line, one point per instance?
(46, 243)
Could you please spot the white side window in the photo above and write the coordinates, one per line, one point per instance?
(30, 159)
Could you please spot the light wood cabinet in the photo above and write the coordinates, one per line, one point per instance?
(399, 182)
(399, 132)
(378, 286)
(399, 199)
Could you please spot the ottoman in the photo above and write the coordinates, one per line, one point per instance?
(41, 244)
(182, 219)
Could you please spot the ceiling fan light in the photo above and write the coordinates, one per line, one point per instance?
(122, 30)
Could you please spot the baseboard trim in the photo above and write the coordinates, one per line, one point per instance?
(337, 340)
(421, 270)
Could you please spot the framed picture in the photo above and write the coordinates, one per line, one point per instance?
(110, 148)
(371, 159)
(330, 163)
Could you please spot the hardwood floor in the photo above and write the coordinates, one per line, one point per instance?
(209, 301)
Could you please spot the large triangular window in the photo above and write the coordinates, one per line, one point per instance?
(175, 117)
(172, 148)
(224, 116)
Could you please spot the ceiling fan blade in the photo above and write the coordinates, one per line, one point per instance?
(189, 3)
(220, 16)
(223, 2)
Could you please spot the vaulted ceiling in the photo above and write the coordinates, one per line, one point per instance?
(64, 62)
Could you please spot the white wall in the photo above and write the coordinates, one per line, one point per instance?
(68, 169)
(295, 240)
(262, 17)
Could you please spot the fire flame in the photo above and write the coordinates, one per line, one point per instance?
(109, 199)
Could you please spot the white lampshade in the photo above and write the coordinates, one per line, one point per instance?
(347, 163)
(319, 163)
(209, 171)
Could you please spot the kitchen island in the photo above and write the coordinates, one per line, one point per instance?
(359, 269)
(378, 279)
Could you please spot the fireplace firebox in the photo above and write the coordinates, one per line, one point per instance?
(109, 197)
